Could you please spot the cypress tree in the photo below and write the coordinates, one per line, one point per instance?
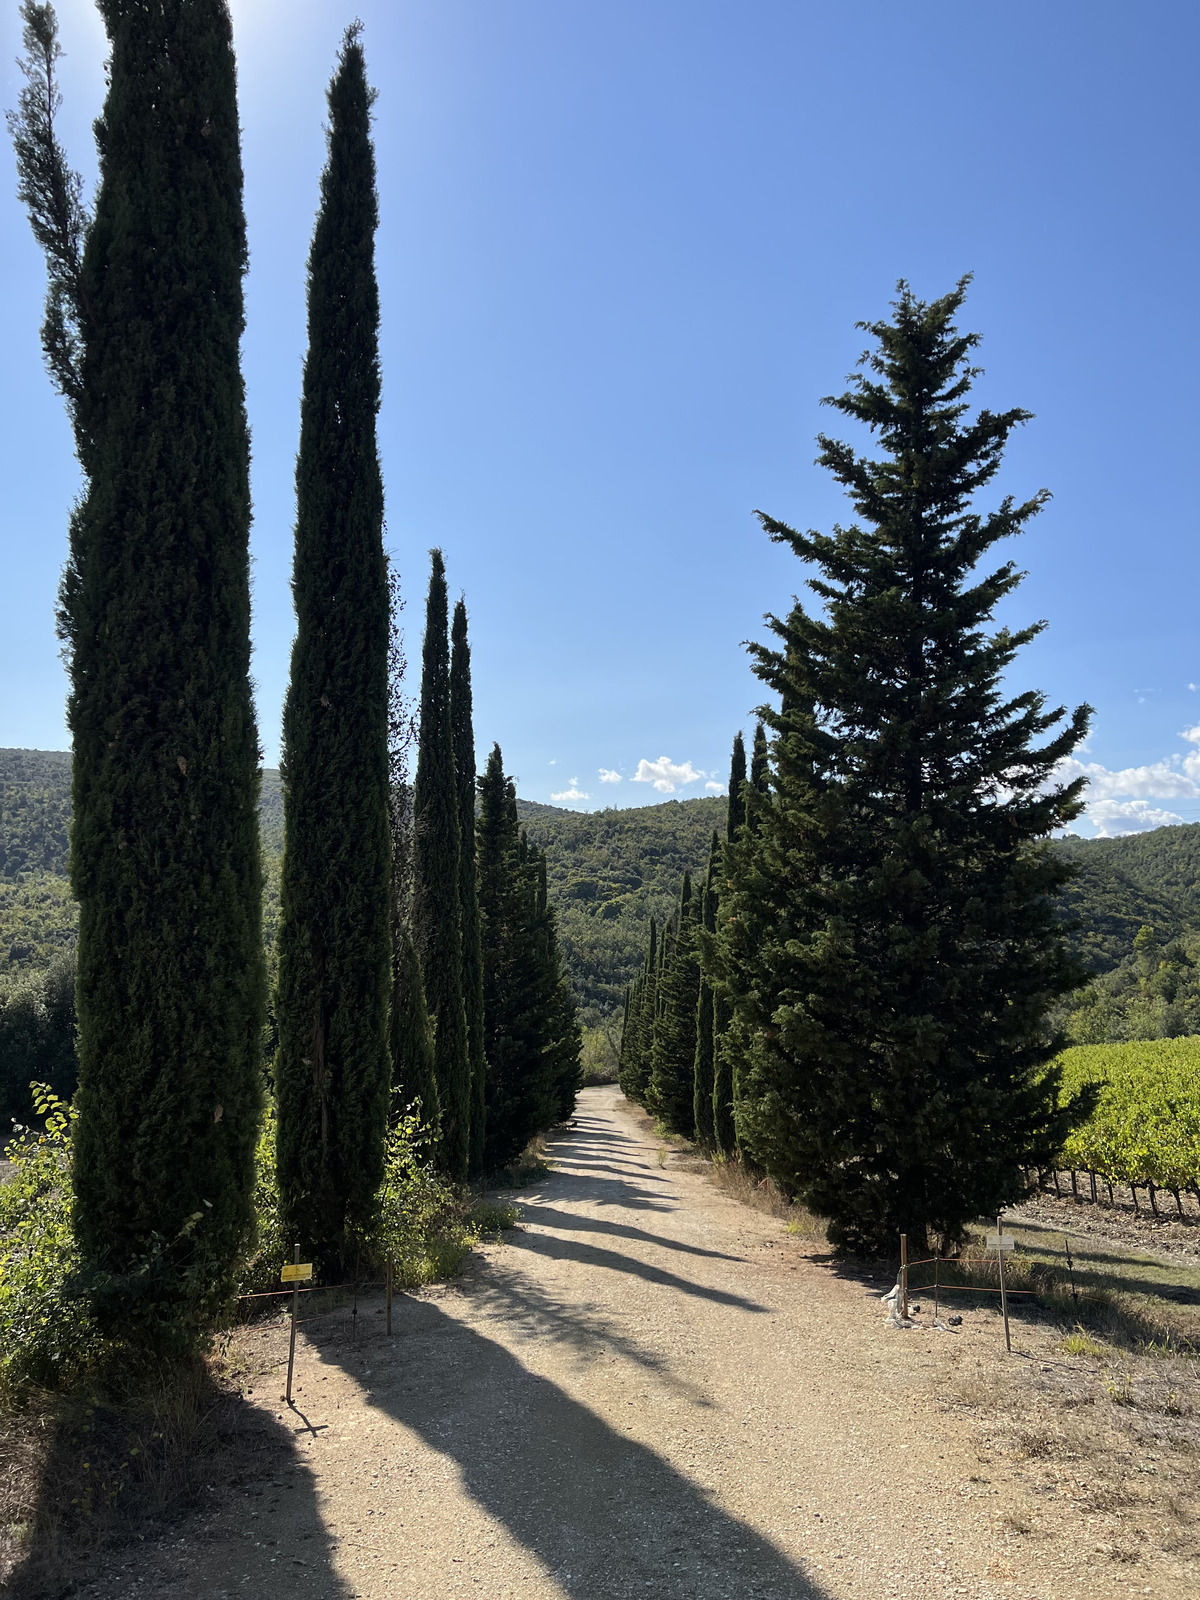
(410, 1035)
(892, 944)
(472, 956)
(724, 1129)
(564, 1035)
(671, 1094)
(437, 889)
(641, 1026)
(736, 813)
(142, 336)
(705, 1066)
(333, 1070)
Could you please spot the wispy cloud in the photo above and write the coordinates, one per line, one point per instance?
(667, 775)
(716, 788)
(607, 775)
(573, 793)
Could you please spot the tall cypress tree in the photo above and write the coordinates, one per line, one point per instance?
(636, 1042)
(410, 1035)
(705, 1067)
(671, 1093)
(892, 944)
(724, 1128)
(563, 1033)
(333, 1070)
(437, 886)
(142, 336)
(472, 957)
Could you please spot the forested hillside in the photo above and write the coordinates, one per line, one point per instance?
(608, 871)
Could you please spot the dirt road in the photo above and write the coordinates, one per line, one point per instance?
(649, 1389)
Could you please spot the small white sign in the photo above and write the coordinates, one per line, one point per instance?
(1001, 1241)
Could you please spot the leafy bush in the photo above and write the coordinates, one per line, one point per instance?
(47, 1335)
(37, 1039)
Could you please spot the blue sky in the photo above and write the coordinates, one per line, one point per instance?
(624, 244)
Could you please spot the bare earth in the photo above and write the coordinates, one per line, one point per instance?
(651, 1389)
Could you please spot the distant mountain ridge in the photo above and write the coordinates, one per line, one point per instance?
(608, 871)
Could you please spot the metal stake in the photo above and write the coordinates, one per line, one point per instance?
(1003, 1293)
(389, 1297)
(292, 1342)
(904, 1277)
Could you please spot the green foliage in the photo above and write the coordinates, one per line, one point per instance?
(468, 896)
(37, 1039)
(333, 1069)
(889, 940)
(704, 1073)
(608, 873)
(1145, 1127)
(164, 840)
(47, 1336)
(39, 922)
(670, 1095)
(1154, 993)
(35, 812)
(436, 913)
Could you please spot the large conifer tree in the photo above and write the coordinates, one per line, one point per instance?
(437, 885)
(892, 943)
(472, 958)
(142, 336)
(706, 1040)
(333, 1070)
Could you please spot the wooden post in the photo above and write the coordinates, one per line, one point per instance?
(937, 1263)
(904, 1277)
(1092, 1176)
(389, 1296)
(1074, 1186)
(1071, 1270)
(1003, 1291)
(292, 1341)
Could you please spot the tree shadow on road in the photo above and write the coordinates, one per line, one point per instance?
(591, 1255)
(606, 1516)
(586, 1222)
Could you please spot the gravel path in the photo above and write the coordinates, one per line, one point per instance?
(649, 1389)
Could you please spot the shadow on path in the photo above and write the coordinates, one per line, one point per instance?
(585, 1222)
(604, 1514)
(591, 1255)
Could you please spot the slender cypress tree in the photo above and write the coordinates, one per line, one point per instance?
(472, 956)
(563, 1034)
(640, 1027)
(736, 814)
(142, 336)
(333, 1070)
(724, 1127)
(705, 1068)
(892, 943)
(410, 1035)
(760, 775)
(437, 887)
(671, 1094)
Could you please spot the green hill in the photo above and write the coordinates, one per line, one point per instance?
(609, 872)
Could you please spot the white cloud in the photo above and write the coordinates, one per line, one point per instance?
(607, 775)
(666, 775)
(573, 793)
(1116, 817)
(1171, 779)
(717, 788)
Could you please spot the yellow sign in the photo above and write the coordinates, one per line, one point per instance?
(296, 1272)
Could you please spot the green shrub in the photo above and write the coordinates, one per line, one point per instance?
(47, 1335)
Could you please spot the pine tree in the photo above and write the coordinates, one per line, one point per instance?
(724, 1128)
(144, 320)
(437, 888)
(472, 956)
(333, 1071)
(705, 1066)
(673, 1055)
(891, 942)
